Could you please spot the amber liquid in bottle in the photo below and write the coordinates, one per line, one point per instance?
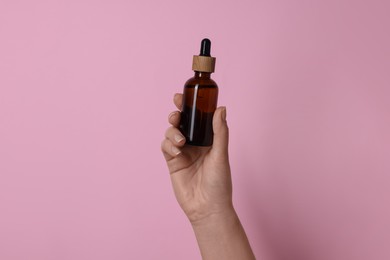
(199, 103)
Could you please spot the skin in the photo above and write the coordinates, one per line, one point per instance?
(201, 180)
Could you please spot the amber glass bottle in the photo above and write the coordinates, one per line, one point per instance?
(200, 97)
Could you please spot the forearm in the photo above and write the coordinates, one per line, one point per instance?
(221, 236)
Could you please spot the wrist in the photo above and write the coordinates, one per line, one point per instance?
(221, 236)
(215, 219)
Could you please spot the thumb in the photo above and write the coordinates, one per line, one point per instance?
(221, 132)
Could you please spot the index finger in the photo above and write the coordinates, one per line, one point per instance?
(178, 100)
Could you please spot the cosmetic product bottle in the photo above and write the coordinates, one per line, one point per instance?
(200, 97)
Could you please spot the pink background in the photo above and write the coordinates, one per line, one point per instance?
(85, 90)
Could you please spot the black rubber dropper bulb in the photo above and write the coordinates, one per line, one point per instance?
(205, 47)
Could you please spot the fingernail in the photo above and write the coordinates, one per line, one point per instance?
(179, 138)
(223, 114)
(171, 114)
(175, 150)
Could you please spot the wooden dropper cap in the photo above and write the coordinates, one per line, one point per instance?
(204, 62)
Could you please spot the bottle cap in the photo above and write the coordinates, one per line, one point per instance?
(204, 62)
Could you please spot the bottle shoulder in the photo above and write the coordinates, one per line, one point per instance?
(201, 81)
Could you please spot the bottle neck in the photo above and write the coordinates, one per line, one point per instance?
(203, 75)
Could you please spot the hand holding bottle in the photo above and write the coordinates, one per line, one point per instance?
(200, 175)
(202, 185)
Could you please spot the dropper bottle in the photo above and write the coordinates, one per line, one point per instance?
(200, 98)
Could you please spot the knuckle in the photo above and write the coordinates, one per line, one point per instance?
(172, 115)
(169, 131)
(164, 145)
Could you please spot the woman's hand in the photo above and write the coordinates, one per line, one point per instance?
(202, 184)
(200, 175)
